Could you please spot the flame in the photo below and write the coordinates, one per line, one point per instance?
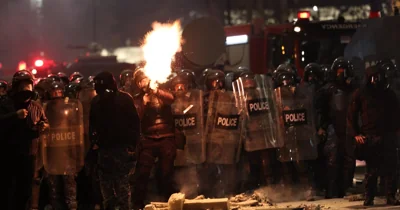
(159, 48)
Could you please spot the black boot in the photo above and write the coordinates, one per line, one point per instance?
(329, 189)
(370, 186)
(369, 201)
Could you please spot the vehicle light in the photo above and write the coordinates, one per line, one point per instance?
(303, 15)
(239, 39)
(21, 65)
(34, 71)
(297, 29)
(39, 63)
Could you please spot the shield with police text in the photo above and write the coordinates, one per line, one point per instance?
(85, 96)
(223, 128)
(63, 143)
(188, 117)
(256, 98)
(298, 124)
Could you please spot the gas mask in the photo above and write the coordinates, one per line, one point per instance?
(24, 96)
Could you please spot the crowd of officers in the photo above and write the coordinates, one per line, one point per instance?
(130, 137)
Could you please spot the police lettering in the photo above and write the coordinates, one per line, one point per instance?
(260, 106)
(342, 26)
(227, 122)
(63, 136)
(185, 122)
(295, 117)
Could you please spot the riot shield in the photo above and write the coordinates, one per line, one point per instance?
(260, 113)
(298, 123)
(63, 143)
(188, 116)
(85, 96)
(223, 128)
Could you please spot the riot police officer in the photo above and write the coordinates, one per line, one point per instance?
(114, 127)
(183, 81)
(125, 81)
(21, 120)
(54, 77)
(62, 188)
(313, 76)
(187, 110)
(63, 77)
(392, 74)
(158, 130)
(260, 133)
(375, 138)
(332, 103)
(41, 88)
(74, 76)
(72, 90)
(299, 150)
(3, 90)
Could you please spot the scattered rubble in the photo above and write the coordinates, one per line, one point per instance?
(357, 197)
(254, 199)
(177, 201)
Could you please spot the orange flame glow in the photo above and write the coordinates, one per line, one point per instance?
(159, 48)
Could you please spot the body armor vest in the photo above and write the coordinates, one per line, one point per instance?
(157, 120)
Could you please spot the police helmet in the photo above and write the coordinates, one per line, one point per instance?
(183, 80)
(54, 77)
(20, 76)
(389, 67)
(313, 73)
(3, 84)
(64, 78)
(341, 70)
(248, 80)
(75, 76)
(72, 90)
(56, 90)
(285, 79)
(215, 80)
(124, 76)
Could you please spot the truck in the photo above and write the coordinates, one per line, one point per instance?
(263, 47)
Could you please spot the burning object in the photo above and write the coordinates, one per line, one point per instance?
(159, 48)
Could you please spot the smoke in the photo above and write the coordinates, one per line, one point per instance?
(187, 181)
(282, 193)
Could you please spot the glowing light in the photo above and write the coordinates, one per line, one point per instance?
(303, 15)
(159, 48)
(283, 47)
(34, 71)
(302, 59)
(21, 65)
(297, 29)
(66, 112)
(239, 39)
(302, 52)
(315, 8)
(39, 63)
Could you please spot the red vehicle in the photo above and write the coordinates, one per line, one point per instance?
(263, 48)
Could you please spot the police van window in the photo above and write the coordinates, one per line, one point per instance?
(309, 51)
(279, 50)
(322, 50)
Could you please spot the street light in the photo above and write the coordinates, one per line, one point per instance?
(315, 8)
